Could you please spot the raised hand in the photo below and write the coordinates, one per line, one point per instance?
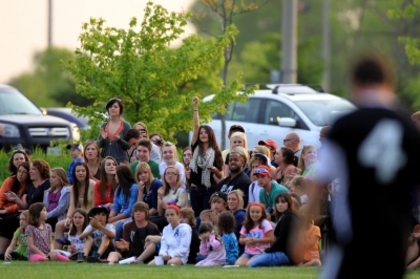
(103, 133)
(195, 101)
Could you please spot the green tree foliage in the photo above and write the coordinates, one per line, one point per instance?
(137, 65)
(48, 84)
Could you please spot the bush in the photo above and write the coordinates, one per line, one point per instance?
(62, 160)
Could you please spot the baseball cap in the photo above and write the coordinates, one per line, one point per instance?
(99, 209)
(237, 128)
(219, 195)
(262, 170)
(268, 142)
(78, 146)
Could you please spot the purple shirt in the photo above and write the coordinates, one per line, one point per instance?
(53, 199)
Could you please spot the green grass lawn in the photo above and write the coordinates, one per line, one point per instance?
(103, 271)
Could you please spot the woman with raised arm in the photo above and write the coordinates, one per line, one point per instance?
(206, 163)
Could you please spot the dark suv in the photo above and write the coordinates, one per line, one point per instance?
(22, 122)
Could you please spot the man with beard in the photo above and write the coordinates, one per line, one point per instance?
(237, 178)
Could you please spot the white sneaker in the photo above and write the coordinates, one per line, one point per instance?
(229, 266)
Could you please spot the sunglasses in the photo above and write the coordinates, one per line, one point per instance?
(286, 140)
(260, 170)
(115, 99)
(18, 151)
(143, 131)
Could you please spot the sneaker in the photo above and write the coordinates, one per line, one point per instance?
(81, 258)
(93, 260)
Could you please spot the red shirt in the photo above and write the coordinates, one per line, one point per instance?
(97, 198)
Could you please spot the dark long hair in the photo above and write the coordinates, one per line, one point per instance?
(125, 180)
(35, 214)
(102, 183)
(226, 223)
(289, 156)
(12, 168)
(77, 183)
(218, 159)
(284, 197)
(16, 186)
(73, 229)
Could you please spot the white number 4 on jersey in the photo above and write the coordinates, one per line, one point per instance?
(382, 150)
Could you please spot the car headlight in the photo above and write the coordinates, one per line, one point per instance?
(9, 131)
(75, 132)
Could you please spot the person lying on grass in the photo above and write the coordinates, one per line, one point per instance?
(100, 244)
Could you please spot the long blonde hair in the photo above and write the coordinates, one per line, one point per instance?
(61, 173)
(141, 167)
(305, 149)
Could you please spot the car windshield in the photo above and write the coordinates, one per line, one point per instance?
(325, 112)
(12, 102)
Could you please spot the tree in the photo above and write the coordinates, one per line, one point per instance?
(48, 84)
(139, 67)
(224, 11)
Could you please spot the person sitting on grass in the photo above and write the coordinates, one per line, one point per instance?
(17, 249)
(134, 235)
(256, 233)
(312, 235)
(280, 252)
(188, 217)
(39, 236)
(101, 232)
(124, 199)
(211, 246)
(226, 227)
(79, 222)
(176, 239)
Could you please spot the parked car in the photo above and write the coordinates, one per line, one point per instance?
(22, 122)
(282, 108)
(69, 115)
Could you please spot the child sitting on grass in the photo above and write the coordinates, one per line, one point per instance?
(39, 236)
(102, 234)
(211, 246)
(227, 227)
(19, 239)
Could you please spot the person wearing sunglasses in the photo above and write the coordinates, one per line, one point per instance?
(270, 188)
(292, 140)
(111, 136)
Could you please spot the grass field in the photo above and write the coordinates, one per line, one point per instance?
(103, 271)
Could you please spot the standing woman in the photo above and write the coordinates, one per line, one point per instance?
(103, 191)
(39, 174)
(92, 157)
(206, 164)
(112, 133)
(18, 157)
(148, 187)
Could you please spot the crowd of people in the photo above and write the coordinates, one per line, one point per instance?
(126, 195)
(127, 198)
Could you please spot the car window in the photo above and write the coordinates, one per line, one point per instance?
(275, 110)
(15, 103)
(247, 112)
(325, 112)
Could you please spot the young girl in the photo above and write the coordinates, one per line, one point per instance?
(57, 198)
(280, 252)
(92, 157)
(311, 255)
(19, 240)
(124, 199)
(176, 239)
(148, 187)
(226, 227)
(169, 158)
(211, 246)
(79, 222)
(39, 236)
(103, 191)
(188, 217)
(256, 233)
(81, 196)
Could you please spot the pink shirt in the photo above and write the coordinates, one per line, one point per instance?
(258, 232)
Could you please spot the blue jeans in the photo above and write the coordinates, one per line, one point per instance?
(269, 259)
